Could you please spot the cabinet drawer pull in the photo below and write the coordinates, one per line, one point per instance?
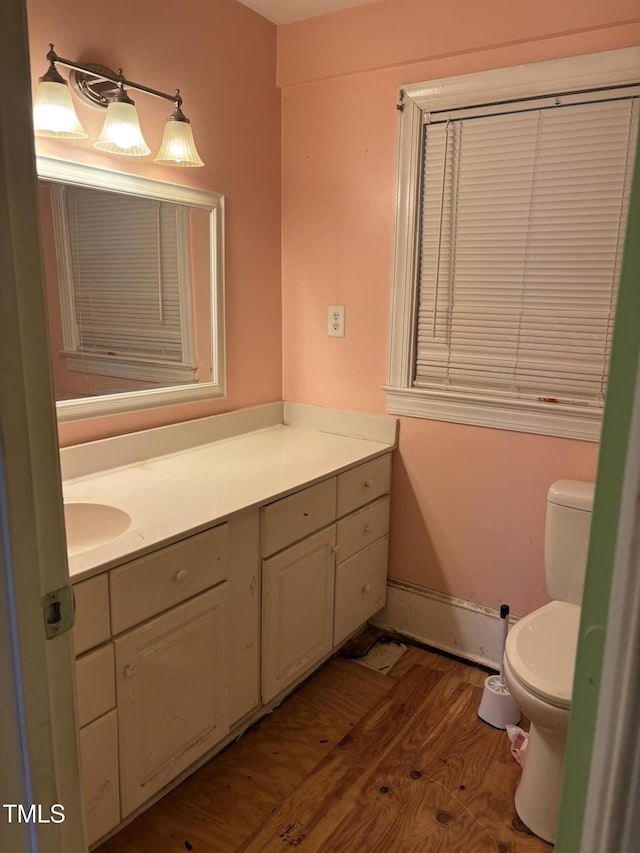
(366, 588)
(368, 484)
(130, 670)
(180, 576)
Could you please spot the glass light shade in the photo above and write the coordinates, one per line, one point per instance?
(54, 113)
(121, 132)
(178, 147)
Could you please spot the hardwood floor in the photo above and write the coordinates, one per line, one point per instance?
(354, 760)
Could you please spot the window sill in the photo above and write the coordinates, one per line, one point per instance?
(576, 422)
(123, 367)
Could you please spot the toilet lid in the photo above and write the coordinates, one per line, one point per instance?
(541, 649)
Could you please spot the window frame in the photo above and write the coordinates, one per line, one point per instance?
(599, 70)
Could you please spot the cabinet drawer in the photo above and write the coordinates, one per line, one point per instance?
(156, 582)
(99, 776)
(361, 589)
(285, 521)
(95, 684)
(361, 528)
(91, 624)
(363, 484)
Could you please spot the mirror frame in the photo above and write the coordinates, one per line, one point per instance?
(63, 171)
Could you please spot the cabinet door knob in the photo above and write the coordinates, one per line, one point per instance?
(130, 670)
(366, 588)
(368, 484)
(366, 528)
(181, 576)
(334, 549)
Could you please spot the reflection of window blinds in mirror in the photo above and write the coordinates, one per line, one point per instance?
(126, 274)
(530, 243)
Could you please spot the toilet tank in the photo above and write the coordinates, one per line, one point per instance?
(566, 539)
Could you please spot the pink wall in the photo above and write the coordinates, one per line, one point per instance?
(223, 57)
(400, 32)
(468, 502)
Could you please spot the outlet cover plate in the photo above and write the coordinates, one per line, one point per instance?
(335, 327)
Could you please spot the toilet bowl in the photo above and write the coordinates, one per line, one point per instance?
(539, 663)
(540, 654)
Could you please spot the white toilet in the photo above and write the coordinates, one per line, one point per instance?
(540, 655)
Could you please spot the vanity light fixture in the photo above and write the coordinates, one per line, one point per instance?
(54, 114)
(121, 132)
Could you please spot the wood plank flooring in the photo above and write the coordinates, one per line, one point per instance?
(354, 760)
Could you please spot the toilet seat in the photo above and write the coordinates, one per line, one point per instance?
(541, 651)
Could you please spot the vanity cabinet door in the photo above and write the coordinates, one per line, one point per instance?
(297, 610)
(99, 775)
(172, 690)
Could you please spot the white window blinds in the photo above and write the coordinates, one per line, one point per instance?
(522, 228)
(129, 268)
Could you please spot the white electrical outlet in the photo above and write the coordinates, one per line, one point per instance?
(336, 321)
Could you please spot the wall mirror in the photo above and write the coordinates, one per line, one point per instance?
(135, 287)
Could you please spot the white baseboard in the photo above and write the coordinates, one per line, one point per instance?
(453, 625)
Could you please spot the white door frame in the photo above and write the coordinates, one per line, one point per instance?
(612, 818)
(38, 746)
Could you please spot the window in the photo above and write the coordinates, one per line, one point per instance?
(512, 196)
(125, 285)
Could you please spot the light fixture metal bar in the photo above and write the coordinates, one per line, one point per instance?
(119, 79)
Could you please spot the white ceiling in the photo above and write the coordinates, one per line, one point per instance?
(285, 11)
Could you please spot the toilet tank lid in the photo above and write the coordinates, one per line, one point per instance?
(577, 494)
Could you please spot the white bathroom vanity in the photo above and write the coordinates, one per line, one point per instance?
(256, 545)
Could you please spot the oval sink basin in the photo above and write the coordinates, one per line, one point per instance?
(89, 525)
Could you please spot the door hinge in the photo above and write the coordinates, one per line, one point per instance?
(58, 610)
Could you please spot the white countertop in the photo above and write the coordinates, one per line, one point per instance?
(171, 496)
